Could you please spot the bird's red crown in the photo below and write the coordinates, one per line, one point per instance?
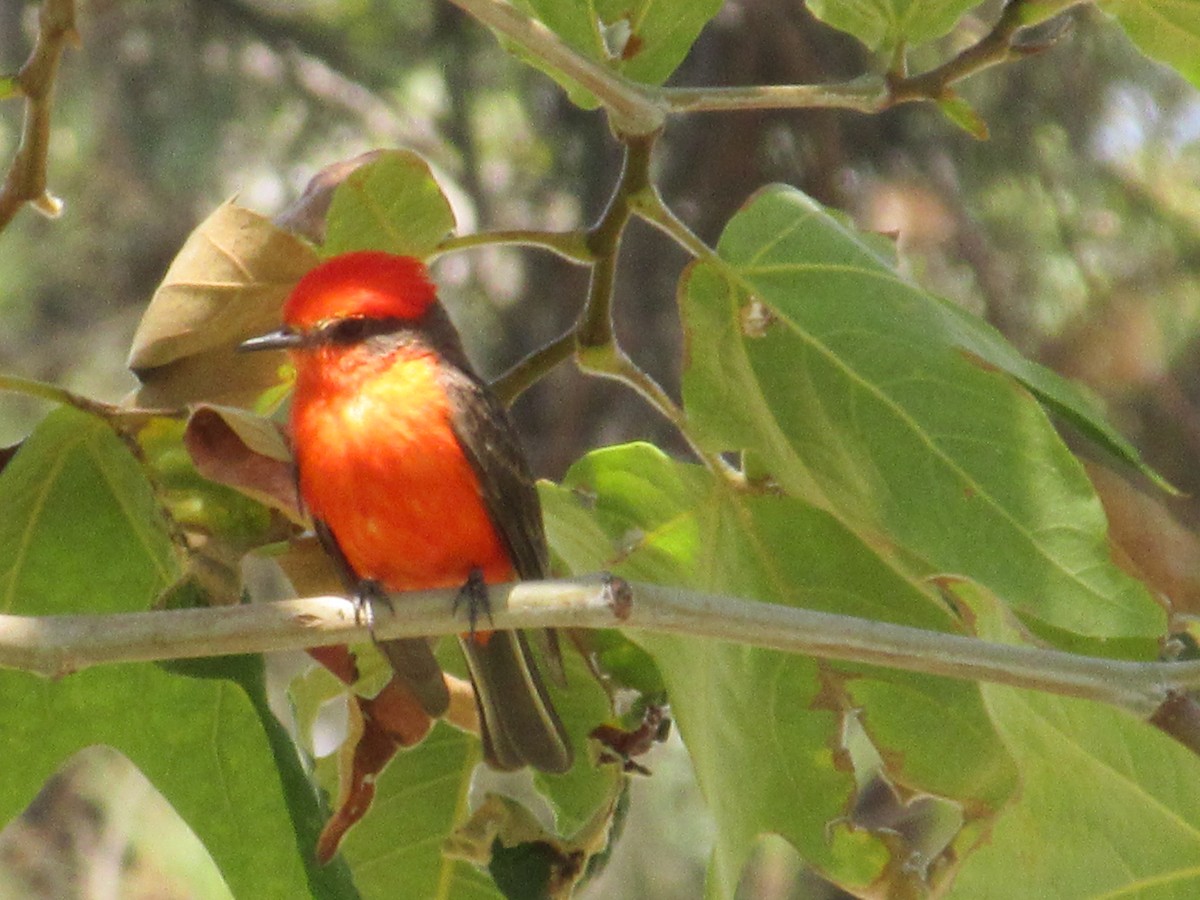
(364, 284)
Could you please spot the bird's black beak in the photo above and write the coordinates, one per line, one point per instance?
(281, 339)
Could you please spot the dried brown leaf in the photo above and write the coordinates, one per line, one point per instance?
(306, 216)
(1149, 542)
(233, 447)
(227, 284)
(389, 722)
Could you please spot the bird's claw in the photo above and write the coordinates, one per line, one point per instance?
(474, 595)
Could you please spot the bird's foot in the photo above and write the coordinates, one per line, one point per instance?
(474, 596)
(368, 592)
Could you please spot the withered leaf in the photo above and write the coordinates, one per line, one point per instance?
(227, 284)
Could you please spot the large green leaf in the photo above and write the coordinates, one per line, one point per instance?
(1108, 806)
(852, 388)
(81, 532)
(1165, 30)
(890, 23)
(643, 40)
(763, 728)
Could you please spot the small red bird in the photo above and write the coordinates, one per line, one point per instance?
(415, 479)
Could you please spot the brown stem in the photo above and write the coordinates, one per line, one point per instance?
(992, 49)
(594, 329)
(26, 180)
(529, 371)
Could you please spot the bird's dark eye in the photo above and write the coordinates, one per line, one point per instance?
(347, 331)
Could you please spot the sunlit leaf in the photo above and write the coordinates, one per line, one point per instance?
(392, 203)
(762, 727)
(1108, 805)
(888, 407)
(643, 40)
(1165, 30)
(889, 23)
(81, 532)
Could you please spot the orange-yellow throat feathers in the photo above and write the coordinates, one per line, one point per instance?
(380, 464)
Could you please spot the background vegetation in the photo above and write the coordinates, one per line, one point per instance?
(1073, 229)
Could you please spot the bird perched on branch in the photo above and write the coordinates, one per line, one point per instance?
(415, 479)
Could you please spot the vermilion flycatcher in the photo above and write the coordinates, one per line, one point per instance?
(415, 479)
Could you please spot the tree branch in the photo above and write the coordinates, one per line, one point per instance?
(866, 94)
(997, 46)
(530, 370)
(59, 645)
(639, 109)
(26, 180)
(632, 109)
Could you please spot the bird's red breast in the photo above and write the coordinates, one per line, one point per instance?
(380, 464)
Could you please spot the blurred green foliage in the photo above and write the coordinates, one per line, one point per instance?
(1075, 228)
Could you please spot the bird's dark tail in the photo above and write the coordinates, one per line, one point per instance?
(413, 661)
(516, 718)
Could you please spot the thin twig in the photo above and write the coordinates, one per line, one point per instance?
(594, 329)
(570, 245)
(26, 180)
(109, 412)
(651, 208)
(992, 49)
(529, 371)
(866, 94)
(597, 350)
(59, 645)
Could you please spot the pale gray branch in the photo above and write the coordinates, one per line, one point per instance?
(632, 110)
(58, 645)
(867, 94)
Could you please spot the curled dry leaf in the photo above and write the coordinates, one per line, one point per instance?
(389, 721)
(227, 284)
(524, 859)
(306, 216)
(246, 452)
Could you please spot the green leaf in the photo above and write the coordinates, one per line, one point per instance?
(642, 40)
(399, 847)
(763, 727)
(884, 24)
(393, 203)
(81, 532)
(896, 706)
(1108, 807)
(1165, 30)
(862, 394)
(396, 851)
(964, 115)
(576, 795)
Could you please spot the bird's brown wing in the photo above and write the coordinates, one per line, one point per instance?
(518, 723)
(491, 444)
